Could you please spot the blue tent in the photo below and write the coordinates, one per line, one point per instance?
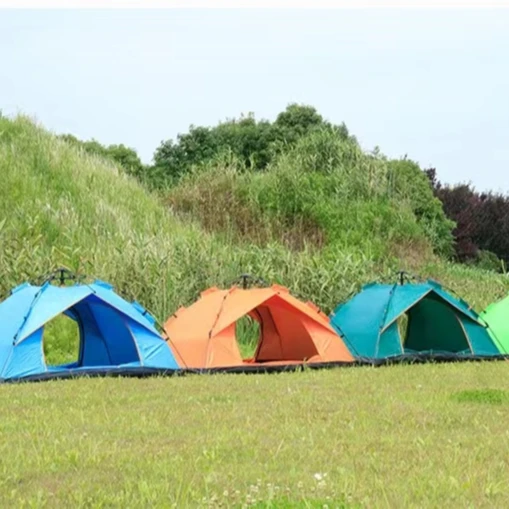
(435, 323)
(115, 335)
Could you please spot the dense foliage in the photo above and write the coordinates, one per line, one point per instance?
(300, 152)
(482, 223)
(254, 142)
(322, 191)
(319, 226)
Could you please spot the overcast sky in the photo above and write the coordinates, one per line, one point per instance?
(431, 84)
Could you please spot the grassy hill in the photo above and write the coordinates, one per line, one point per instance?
(322, 233)
(322, 192)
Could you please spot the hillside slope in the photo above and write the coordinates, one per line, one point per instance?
(60, 206)
(324, 191)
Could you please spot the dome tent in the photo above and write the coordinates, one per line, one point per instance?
(496, 316)
(292, 333)
(437, 324)
(115, 335)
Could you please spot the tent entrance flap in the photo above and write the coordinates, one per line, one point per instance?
(432, 327)
(270, 345)
(282, 337)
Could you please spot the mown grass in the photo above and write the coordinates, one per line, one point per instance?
(355, 437)
(491, 396)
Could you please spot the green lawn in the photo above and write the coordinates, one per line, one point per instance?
(402, 436)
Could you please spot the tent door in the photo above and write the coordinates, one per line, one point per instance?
(433, 325)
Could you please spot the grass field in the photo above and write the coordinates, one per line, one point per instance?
(401, 436)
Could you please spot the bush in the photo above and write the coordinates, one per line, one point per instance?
(255, 143)
(412, 185)
(482, 219)
(323, 191)
(489, 261)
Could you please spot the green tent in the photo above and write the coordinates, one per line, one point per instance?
(496, 316)
(387, 320)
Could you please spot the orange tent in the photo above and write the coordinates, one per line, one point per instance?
(204, 334)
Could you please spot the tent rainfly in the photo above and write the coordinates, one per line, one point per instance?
(115, 335)
(496, 316)
(406, 318)
(203, 335)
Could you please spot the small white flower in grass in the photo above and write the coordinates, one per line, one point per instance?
(320, 476)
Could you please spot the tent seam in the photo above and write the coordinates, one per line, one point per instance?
(32, 305)
(382, 329)
(228, 293)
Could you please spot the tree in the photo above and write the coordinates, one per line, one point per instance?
(299, 119)
(482, 220)
(127, 158)
(254, 142)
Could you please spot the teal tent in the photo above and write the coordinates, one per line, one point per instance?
(405, 318)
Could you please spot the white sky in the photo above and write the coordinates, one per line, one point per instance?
(433, 84)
